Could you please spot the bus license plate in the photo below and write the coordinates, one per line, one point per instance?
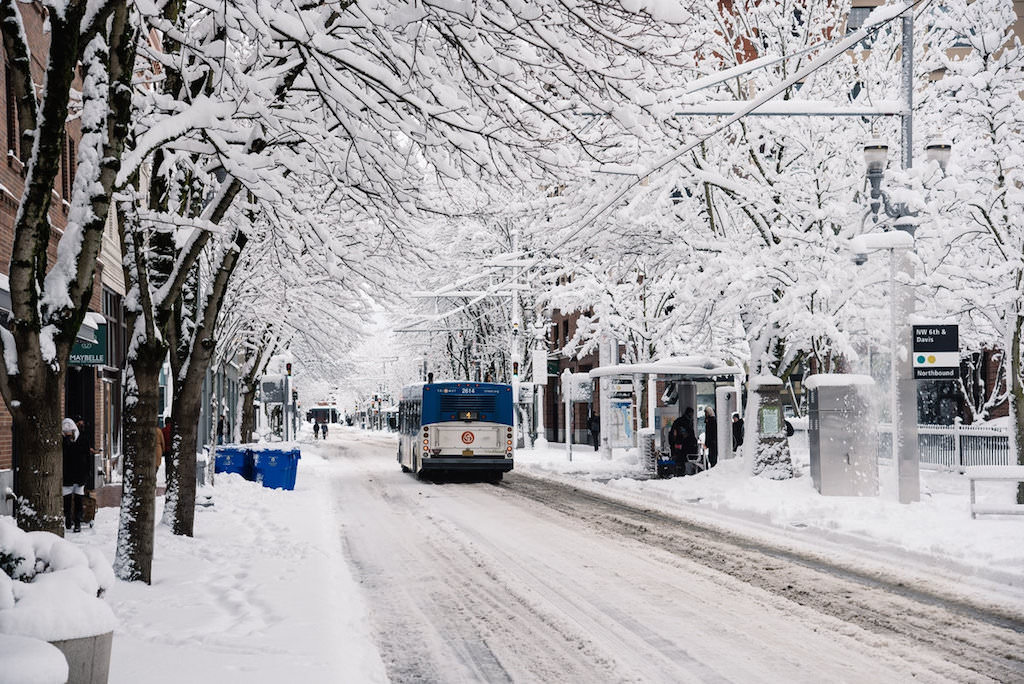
(467, 452)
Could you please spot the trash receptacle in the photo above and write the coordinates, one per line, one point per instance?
(276, 468)
(234, 458)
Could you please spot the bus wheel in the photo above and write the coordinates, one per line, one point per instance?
(405, 469)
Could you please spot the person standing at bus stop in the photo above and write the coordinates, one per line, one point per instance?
(711, 436)
(594, 425)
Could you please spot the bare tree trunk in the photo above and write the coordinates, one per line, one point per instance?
(40, 458)
(187, 402)
(1017, 396)
(179, 510)
(133, 559)
(248, 425)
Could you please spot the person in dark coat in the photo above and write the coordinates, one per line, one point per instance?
(77, 464)
(683, 440)
(323, 430)
(316, 430)
(711, 436)
(594, 425)
(737, 431)
(168, 433)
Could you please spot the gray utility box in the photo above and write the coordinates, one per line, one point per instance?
(843, 435)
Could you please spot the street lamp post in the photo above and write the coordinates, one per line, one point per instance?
(903, 387)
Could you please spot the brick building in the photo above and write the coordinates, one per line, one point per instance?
(92, 388)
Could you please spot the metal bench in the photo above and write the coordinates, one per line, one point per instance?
(1007, 473)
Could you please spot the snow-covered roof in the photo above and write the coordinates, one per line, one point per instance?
(695, 367)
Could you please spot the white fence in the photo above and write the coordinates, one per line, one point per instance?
(953, 446)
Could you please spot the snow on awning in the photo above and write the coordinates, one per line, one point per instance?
(690, 367)
(90, 324)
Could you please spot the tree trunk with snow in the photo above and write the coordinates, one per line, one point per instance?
(250, 382)
(179, 511)
(766, 442)
(48, 301)
(1017, 397)
(40, 464)
(133, 559)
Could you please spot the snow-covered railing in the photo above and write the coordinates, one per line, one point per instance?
(953, 446)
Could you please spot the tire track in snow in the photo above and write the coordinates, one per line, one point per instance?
(988, 643)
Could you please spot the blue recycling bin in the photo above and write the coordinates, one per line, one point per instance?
(234, 459)
(276, 468)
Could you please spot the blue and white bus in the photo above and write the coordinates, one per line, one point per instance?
(449, 427)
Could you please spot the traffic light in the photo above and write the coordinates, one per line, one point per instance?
(288, 368)
(515, 369)
(295, 395)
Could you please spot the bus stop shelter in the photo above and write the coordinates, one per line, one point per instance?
(681, 375)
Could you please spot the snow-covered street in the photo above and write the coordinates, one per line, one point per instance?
(533, 581)
(366, 574)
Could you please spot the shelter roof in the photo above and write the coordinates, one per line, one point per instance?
(687, 367)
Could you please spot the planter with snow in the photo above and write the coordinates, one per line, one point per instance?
(50, 591)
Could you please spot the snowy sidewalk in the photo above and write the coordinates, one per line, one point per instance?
(936, 533)
(261, 594)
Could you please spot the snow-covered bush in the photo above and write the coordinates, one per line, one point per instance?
(51, 589)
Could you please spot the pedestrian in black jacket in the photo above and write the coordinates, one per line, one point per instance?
(737, 431)
(684, 440)
(711, 436)
(594, 425)
(77, 466)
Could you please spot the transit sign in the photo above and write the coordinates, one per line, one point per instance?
(936, 352)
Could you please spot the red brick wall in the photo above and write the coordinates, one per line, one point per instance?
(12, 181)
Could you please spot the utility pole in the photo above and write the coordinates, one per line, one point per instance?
(514, 345)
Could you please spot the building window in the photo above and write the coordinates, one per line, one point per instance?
(117, 332)
(72, 161)
(64, 173)
(12, 114)
(565, 332)
(856, 19)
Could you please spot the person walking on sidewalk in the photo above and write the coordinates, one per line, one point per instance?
(323, 430)
(316, 430)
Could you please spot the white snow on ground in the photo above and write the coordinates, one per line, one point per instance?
(263, 592)
(937, 530)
